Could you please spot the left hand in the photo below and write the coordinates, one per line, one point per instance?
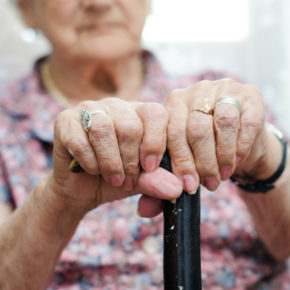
(208, 148)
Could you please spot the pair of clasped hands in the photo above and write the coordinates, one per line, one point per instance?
(124, 145)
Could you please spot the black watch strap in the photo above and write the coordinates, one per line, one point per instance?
(263, 186)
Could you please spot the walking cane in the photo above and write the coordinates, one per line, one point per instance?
(181, 257)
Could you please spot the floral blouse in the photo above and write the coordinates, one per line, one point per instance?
(113, 248)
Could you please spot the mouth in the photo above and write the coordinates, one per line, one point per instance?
(100, 26)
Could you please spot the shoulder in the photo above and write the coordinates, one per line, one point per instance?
(16, 99)
(15, 96)
(28, 108)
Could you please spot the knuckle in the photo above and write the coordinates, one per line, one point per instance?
(229, 85)
(198, 131)
(182, 162)
(206, 167)
(228, 81)
(131, 167)
(129, 130)
(157, 110)
(78, 148)
(128, 150)
(113, 100)
(195, 135)
(226, 150)
(226, 120)
(109, 164)
(252, 125)
(175, 133)
(243, 147)
(202, 84)
(62, 118)
(175, 95)
(101, 128)
(85, 105)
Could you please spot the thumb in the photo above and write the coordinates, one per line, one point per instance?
(155, 186)
(160, 184)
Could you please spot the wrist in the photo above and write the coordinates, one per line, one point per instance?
(55, 207)
(60, 200)
(267, 168)
(269, 162)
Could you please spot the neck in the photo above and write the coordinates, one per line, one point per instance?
(79, 81)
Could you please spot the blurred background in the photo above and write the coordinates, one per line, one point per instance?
(249, 38)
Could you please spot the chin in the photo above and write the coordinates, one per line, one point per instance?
(108, 50)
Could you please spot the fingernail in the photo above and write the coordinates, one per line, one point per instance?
(225, 172)
(210, 183)
(151, 163)
(116, 180)
(189, 184)
(128, 183)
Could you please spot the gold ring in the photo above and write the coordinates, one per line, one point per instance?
(205, 108)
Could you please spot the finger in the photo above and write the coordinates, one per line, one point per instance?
(155, 119)
(102, 137)
(160, 184)
(129, 131)
(182, 160)
(72, 141)
(251, 123)
(149, 206)
(200, 132)
(226, 126)
(201, 138)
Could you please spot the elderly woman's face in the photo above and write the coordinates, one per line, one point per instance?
(89, 28)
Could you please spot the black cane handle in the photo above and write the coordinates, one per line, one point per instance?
(181, 256)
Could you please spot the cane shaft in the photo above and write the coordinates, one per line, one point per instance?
(182, 267)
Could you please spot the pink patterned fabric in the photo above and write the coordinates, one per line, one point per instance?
(113, 248)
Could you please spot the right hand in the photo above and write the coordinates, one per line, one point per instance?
(130, 134)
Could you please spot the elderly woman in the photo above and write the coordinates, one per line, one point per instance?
(58, 227)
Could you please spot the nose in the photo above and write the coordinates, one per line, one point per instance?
(97, 4)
